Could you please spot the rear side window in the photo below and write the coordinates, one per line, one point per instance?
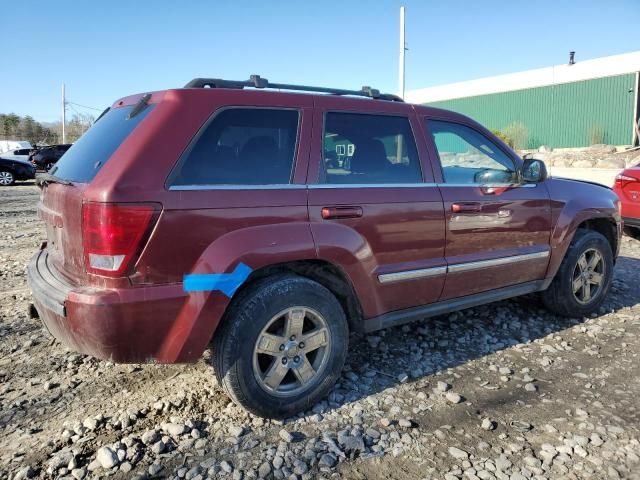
(88, 155)
(369, 149)
(241, 146)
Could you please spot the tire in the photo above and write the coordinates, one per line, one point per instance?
(259, 354)
(561, 297)
(6, 178)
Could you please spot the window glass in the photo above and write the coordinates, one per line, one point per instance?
(88, 155)
(367, 149)
(467, 156)
(241, 146)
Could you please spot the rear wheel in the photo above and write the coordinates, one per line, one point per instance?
(6, 178)
(584, 277)
(281, 347)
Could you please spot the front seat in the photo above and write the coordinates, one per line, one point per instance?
(261, 155)
(369, 159)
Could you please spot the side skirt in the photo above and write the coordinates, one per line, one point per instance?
(401, 317)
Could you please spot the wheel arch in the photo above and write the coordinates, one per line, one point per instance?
(8, 169)
(327, 274)
(607, 227)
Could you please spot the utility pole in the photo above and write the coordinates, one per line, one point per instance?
(403, 48)
(64, 115)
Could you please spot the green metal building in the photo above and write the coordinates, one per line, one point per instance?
(573, 105)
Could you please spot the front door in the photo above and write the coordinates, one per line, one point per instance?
(369, 206)
(497, 231)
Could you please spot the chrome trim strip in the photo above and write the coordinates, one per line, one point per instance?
(465, 267)
(286, 186)
(316, 186)
(411, 274)
(493, 185)
(459, 267)
(319, 186)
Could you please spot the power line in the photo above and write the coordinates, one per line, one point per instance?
(84, 106)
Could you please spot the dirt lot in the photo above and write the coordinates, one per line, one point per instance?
(503, 391)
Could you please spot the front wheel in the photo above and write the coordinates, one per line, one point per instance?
(6, 178)
(281, 347)
(584, 277)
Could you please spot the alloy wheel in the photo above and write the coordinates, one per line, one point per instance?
(588, 276)
(6, 178)
(291, 352)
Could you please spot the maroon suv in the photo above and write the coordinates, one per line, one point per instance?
(273, 223)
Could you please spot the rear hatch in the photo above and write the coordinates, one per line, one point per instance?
(61, 200)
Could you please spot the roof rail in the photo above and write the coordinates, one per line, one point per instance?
(256, 81)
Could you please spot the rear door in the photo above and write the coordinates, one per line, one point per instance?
(497, 230)
(373, 206)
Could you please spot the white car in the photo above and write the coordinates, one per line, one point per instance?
(20, 155)
(6, 145)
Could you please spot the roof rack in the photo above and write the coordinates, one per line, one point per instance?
(256, 81)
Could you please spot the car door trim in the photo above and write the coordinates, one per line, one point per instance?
(316, 186)
(412, 274)
(458, 267)
(283, 186)
(468, 266)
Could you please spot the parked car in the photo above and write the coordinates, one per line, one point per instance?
(21, 154)
(13, 170)
(6, 145)
(627, 187)
(45, 158)
(209, 214)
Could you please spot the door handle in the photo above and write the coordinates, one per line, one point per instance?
(329, 213)
(467, 207)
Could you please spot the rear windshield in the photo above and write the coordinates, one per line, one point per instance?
(88, 155)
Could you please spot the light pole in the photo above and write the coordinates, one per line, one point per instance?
(403, 48)
(64, 114)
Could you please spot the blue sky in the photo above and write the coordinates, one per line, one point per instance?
(105, 50)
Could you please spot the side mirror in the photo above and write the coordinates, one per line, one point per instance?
(533, 171)
(489, 176)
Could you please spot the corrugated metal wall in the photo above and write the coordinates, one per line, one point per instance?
(567, 115)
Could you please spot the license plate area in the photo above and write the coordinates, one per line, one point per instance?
(54, 237)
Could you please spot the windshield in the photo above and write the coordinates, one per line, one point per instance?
(88, 155)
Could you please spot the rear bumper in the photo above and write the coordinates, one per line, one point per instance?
(134, 325)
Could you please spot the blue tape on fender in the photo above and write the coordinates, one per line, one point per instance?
(227, 283)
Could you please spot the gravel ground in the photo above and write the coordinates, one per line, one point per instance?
(503, 391)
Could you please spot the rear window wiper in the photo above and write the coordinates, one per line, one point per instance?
(138, 107)
(46, 178)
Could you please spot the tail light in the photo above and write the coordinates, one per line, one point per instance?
(114, 234)
(624, 180)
